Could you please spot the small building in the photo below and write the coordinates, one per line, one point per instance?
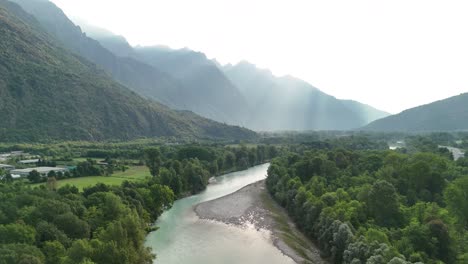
(15, 176)
(4, 156)
(30, 161)
(7, 167)
(42, 170)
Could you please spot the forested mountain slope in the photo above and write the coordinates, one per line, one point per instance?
(136, 75)
(445, 115)
(202, 89)
(46, 92)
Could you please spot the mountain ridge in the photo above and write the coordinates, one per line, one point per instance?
(207, 88)
(188, 80)
(136, 75)
(48, 93)
(163, 57)
(202, 91)
(448, 114)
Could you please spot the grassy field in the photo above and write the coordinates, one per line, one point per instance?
(132, 174)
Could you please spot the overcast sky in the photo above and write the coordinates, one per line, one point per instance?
(390, 54)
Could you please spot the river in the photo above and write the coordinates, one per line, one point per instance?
(456, 152)
(183, 238)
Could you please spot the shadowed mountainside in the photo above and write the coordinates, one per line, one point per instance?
(205, 91)
(46, 92)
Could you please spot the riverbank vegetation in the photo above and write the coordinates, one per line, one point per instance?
(54, 223)
(362, 202)
(377, 206)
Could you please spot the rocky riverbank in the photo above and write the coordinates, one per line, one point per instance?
(253, 205)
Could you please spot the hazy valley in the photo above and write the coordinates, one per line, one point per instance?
(113, 153)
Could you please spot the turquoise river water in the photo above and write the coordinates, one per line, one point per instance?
(184, 238)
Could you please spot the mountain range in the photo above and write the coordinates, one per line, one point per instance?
(48, 92)
(154, 90)
(294, 104)
(202, 95)
(288, 103)
(188, 80)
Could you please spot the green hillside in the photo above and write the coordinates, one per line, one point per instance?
(142, 78)
(47, 92)
(445, 115)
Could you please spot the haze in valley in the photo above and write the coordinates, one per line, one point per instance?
(392, 55)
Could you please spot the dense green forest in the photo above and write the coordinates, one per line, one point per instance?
(108, 224)
(377, 206)
(361, 202)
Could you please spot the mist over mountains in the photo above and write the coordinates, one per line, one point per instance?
(184, 79)
(256, 98)
(294, 104)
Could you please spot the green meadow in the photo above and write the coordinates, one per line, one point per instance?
(136, 173)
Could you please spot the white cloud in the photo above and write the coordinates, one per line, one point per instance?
(390, 54)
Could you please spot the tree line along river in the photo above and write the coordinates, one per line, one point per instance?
(183, 237)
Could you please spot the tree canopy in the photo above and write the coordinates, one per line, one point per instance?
(375, 206)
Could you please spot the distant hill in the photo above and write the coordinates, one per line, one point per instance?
(445, 115)
(288, 103)
(46, 92)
